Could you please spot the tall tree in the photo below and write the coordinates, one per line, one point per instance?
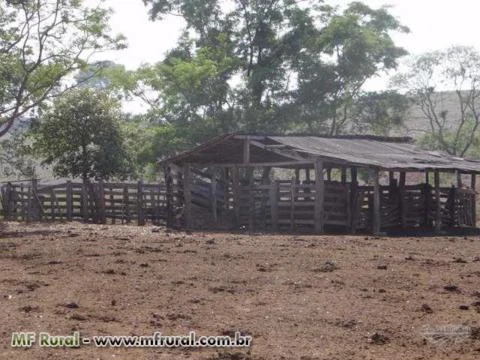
(446, 87)
(41, 42)
(80, 136)
(272, 66)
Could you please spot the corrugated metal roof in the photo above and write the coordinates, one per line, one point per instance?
(365, 151)
(382, 154)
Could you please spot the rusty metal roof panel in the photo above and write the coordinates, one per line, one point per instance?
(376, 153)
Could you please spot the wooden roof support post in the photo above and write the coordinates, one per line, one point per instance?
(236, 194)
(319, 197)
(297, 175)
(473, 180)
(391, 179)
(187, 195)
(251, 201)
(376, 203)
(246, 150)
(225, 180)
(438, 213)
(274, 205)
(354, 199)
(213, 192)
(403, 200)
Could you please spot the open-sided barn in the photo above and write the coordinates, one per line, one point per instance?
(313, 183)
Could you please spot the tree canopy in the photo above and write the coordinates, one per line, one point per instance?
(80, 136)
(41, 42)
(432, 80)
(271, 66)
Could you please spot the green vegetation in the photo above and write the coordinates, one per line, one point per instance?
(453, 129)
(80, 136)
(280, 66)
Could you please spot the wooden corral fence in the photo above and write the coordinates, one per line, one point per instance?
(91, 202)
(290, 204)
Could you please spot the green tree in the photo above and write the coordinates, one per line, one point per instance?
(80, 136)
(41, 42)
(379, 112)
(445, 86)
(271, 66)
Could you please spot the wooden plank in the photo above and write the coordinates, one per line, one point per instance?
(226, 181)
(187, 195)
(274, 205)
(102, 218)
(126, 205)
(246, 150)
(319, 197)
(344, 175)
(473, 180)
(214, 199)
(376, 203)
(261, 164)
(251, 202)
(354, 200)
(438, 214)
(236, 194)
(403, 202)
(292, 203)
(84, 202)
(140, 209)
(69, 200)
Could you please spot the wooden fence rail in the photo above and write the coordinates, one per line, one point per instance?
(91, 202)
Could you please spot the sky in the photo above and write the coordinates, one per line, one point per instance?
(434, 25)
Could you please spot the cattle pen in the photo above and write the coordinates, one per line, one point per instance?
(318, 184)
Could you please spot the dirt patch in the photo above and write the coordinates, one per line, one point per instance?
(298, 297)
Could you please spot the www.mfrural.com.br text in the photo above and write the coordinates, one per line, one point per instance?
(156, 340)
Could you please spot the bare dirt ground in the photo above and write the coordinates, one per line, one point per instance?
(299, 297)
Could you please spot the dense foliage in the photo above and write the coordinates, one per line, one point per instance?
(80, 136)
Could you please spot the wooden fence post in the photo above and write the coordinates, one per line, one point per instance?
(354, 199)
(376, 203)
(35, 208)
(102, 218)
(8, 201)
(126, 205)
(69, 201)
(187, 195)
(84, 202)
(29, 202)
(319, 197)
(473, 179)
(22, 201)
(274, 205)
(343, 175)
(214, 199)
(251, 202)
(438, 210)
(169, 196)
(236, 195)
(293, 198)
(403, 202)
(140, 209)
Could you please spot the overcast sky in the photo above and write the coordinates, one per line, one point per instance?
(434, 24)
